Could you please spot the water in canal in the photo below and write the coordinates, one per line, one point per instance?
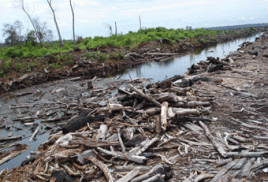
(159, 71)
(46, 92)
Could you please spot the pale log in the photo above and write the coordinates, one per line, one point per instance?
(164, 109)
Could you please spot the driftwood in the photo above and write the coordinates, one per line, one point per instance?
(224, 170)
(148, 175)
(134, 158)
(146, 97)
(103, 167)
(164, 109)
(61, 176)
(130, 175)
(162, 54)
(10, 139)
(35, 132)
(219, 147)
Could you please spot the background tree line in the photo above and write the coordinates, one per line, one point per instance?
(39, 32)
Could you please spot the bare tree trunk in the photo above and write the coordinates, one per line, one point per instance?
(115, 28)
(140, 22)
(61, 42)
(23, 8)
(73, 21)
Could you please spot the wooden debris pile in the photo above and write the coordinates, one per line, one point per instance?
(158, 134)
(211, 65)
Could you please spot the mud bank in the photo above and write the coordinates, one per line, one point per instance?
(89, 68)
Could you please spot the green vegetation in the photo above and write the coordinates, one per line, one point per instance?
(26, 57)
(132, 39)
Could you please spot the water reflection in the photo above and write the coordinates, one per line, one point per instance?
(178, 66)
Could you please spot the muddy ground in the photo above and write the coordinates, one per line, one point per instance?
(233, 147)
(89, 68)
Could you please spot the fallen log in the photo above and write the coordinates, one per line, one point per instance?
(80, 121)
(130, 175)
(61, 176)
(103, 168)
(164, 109)
(146, 97)
(161, 54)
(10, 138)
(219, 147)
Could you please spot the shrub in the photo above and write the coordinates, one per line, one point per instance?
(12, 52)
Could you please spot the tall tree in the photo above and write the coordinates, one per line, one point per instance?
(73, 21)
(22, 6)
(55, 20)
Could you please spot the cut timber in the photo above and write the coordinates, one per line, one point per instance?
(103, 167)
(182, 111)
(219, 148)
(146, 97)
(224, 170)
(10, 139)
(79, 121)
(134, 158)
(164, 109)
(130, 175)
(34, 133)
(61, 176)
(149, 174)
(162, 54)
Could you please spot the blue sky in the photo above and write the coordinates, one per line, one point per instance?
(92, 16)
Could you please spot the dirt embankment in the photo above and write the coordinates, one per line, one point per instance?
(88, 68)
(213, 127)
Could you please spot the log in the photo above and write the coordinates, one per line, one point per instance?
(224, 170)
(80, 121)
(146, 97)
(164, 109)
(130, 175)
(131, 167)
(219, 148)
(34, 133)
(182, 111)
(161, 54)
(143, 146)
(103, 168)
(61, 176)
(134, 158)
(10, 138)
(149, 174)
(246, 170)
(157, 122)
(260, 165)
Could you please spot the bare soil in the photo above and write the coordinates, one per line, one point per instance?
(89, 68)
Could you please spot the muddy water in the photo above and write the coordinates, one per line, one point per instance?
(159, 71)
(46, 95)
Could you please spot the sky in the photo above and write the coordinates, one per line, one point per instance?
(92, 17)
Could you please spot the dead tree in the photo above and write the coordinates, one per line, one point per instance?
(55, 20)
(115, 27)
(21, 3)
(73, 21)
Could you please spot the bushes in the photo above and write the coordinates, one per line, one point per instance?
(13, 52)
